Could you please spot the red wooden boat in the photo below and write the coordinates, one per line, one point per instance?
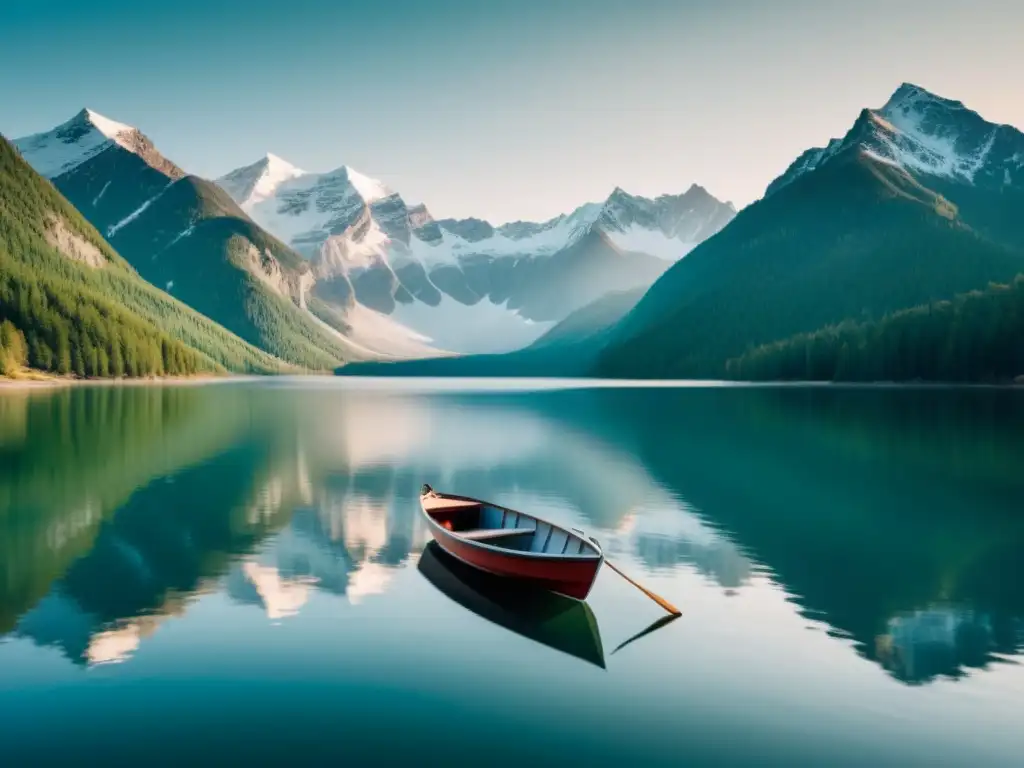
(513, 544)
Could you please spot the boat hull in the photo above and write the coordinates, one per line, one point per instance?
(572, 578)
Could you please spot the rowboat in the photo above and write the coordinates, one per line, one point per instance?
(512, 544)
(548, 619)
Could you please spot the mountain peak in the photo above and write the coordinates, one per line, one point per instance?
(909, 95)
(112, 129)
(697, 191)
(908, 91)
(277, 169)
(371, 190)
(276, 163)
(87, 134)
(923, 133)
(252, 183)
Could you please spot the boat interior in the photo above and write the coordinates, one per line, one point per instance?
(505, 528)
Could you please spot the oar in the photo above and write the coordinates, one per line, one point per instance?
(652, 628)
(659, 600)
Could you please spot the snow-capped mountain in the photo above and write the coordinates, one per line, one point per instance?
(305, 210)
(82, 138)
(108, 169)
(465, 284)
(925, 134)
(186, 236)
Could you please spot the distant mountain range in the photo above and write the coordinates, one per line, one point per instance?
(467, 285)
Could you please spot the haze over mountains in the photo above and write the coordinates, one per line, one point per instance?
(467, 285)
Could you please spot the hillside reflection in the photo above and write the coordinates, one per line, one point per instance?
(892, 519)
(892, 515)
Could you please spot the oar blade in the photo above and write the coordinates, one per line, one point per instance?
(665, 604)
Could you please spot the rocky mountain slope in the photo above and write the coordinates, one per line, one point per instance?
(467, 285)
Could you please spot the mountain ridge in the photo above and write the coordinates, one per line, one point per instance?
(914, 204)
(466, 284)
(924, 133)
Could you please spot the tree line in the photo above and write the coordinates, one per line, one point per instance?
(975, 337)
(53, 327)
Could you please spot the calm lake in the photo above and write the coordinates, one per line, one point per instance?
(238, 572)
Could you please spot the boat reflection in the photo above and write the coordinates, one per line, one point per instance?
(558, 622)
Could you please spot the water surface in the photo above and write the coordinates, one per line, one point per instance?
(238, 572)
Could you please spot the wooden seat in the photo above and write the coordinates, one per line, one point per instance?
(479, 534)
(435, 504)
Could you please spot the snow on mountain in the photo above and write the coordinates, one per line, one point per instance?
(479, 328)
(925, 134)
(257, 182)
(81, 138)
(465, 284)
(107, 169)
(112, 129)
(308, 209)
(512, 239)
(114, 228)
(69, 144)
(373, 335)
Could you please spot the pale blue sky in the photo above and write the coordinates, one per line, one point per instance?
(501, 109)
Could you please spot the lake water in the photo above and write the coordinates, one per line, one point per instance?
(237, 573)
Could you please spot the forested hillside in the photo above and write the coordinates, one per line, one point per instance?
(920, 201)
(977, 336)
(194, 241)
(856, 239)
(71, 305)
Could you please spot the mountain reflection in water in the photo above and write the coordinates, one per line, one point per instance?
(888, 516)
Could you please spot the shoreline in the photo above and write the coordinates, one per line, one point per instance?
(55, 382)
(486, 382)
